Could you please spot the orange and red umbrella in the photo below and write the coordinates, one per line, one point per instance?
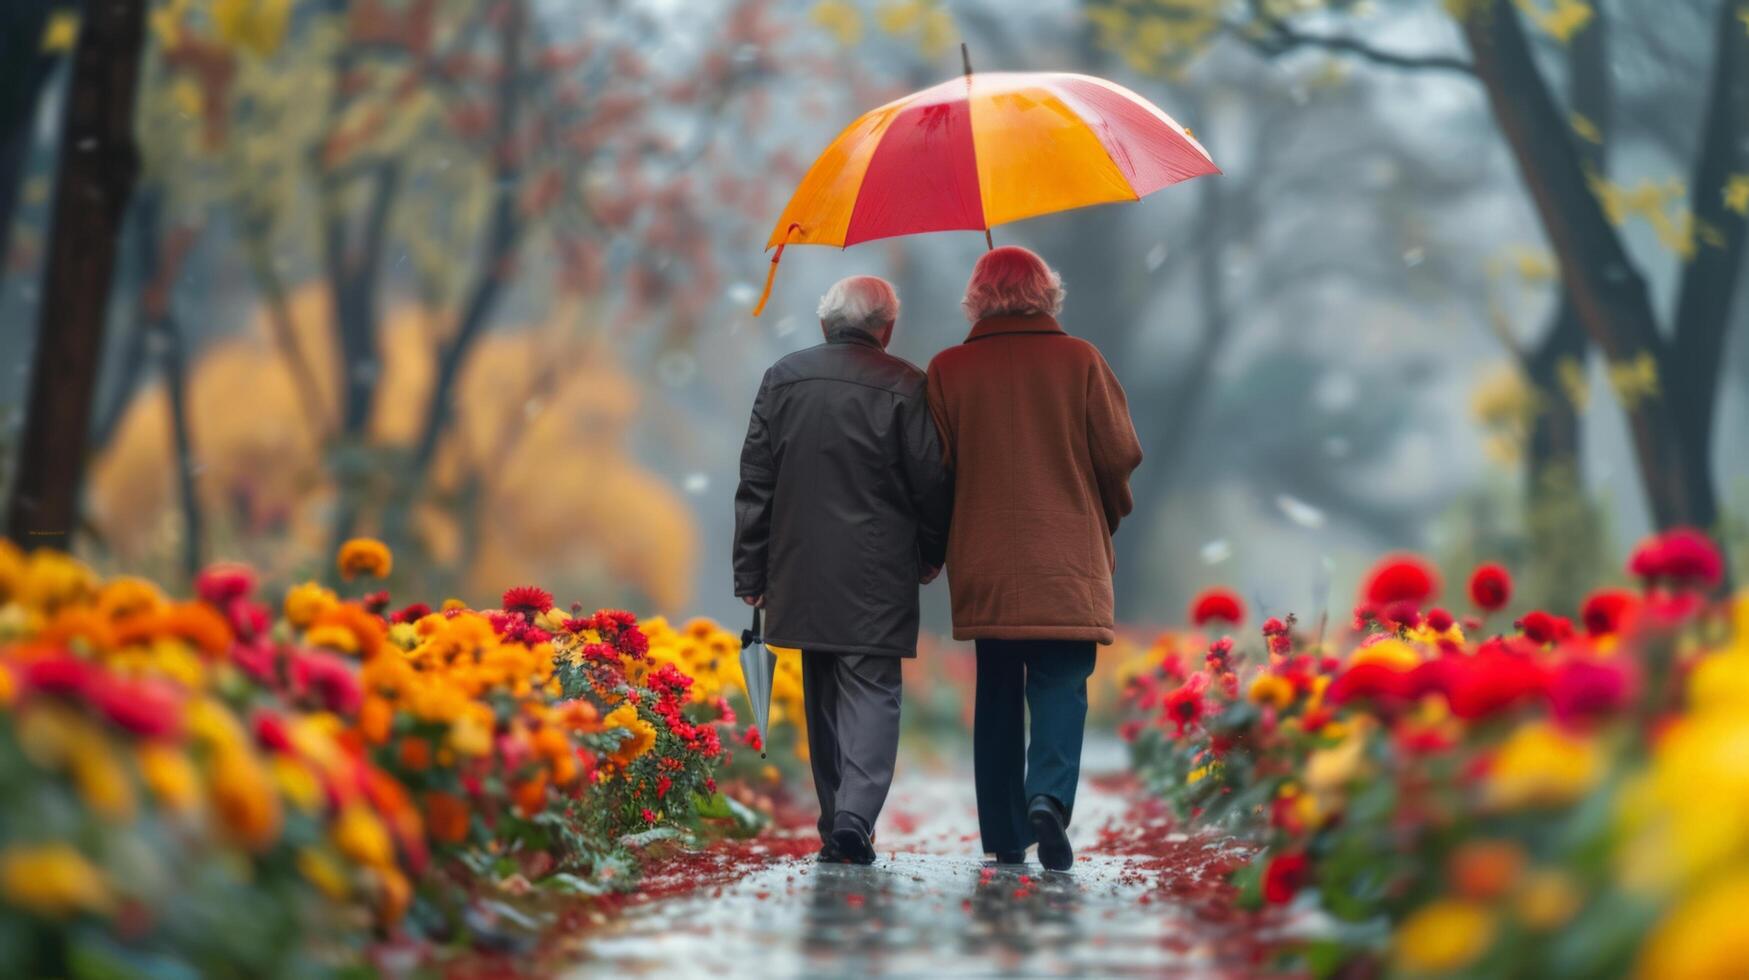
(983, 150)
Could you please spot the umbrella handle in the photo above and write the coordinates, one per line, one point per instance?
(756, 634)
(771, 274)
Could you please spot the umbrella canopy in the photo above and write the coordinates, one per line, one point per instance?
(983, 150)
(758, 665)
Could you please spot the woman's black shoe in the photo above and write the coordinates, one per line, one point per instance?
(1051, 825)
(1010, 857)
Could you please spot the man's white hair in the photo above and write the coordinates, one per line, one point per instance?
(859, 304)
(1012, 281)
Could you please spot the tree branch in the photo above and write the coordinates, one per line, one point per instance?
(1274, 37)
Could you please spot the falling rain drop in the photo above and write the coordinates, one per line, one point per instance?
(1298, 511)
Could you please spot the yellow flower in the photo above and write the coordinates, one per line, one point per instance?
(1329, 771)
(1720, 683)
(1541, 765)
(12, 565)
(52, 880)
(103, 783)
(1703, 937)
(470, 737)
(297, 784)
(643, 735)
(364, 556)
(1548, 900)
(1683, 816)
(170, 776)
(319, 866)
(243, 797)
(1389, 652)
(1272, 689)
(1443, 936)
(52, 580)
(307, 601)
(334, 637)
(1196, 775)
(362, 837)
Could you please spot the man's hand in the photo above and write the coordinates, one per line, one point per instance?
(929, 575)
(756, 601)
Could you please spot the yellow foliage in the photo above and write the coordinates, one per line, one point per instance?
(1736, 191)
(1662, 204)
(257, 26)
(538, 437)
(61, 32)
(840, 18)
(1634, 379)
(1586, 129)
(1503, 403)
(1559, 19)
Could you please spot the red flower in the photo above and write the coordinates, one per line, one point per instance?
(1383, 685)
(258, 658)
(328, 680)
(377, 601)
(1220, 653)
(528, 600)
(1401, 578)
(1184, 705)
(62, 674)
(1606, 610)
(270, 731)
(1683, 556)
(1438, 620)
(1490, 587)
(1403, 614)
(411, 614)
(147, 707)
(648, 815)
(1542, 628)
(219, 584)
(1274, 627)
(1583, 688)
(1488, 682)
(1284, 876)
(1221, 604)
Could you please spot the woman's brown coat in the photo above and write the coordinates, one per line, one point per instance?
(1038, 434)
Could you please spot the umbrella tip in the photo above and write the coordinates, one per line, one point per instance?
(966, 58)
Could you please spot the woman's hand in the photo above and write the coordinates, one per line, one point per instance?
(756, 601)
(929, 575)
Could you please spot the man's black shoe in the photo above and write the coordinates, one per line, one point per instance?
(1010, 857)
(1050, 825)
(851, 842)
(828, 855)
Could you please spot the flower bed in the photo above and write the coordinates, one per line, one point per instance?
(1541, 797)
(215, 786)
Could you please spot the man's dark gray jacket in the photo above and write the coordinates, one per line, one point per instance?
(844, 499)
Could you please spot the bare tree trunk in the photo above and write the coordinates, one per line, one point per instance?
(1607, 291)
(24, 72)
(1710, 283)
(156, 317)
(99, 164)
(497, 258)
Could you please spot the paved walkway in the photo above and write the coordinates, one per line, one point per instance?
(1138, 903)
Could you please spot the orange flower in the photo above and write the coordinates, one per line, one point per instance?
(364, 556)
(1484, 870)
(376, 717)
(242, 795)
(72, 623)
(396, 895)
(530, 795)
(415, 754)
(362, 837)
(366, 629)
(123, 597)
(447, 817)
(198, 624)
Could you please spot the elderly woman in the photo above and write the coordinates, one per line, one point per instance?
(842, 510)
(1038, 436)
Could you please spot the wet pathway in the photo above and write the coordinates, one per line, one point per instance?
(1142, 901)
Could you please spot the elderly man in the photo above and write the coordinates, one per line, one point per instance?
(1040, 440)
(842, 511)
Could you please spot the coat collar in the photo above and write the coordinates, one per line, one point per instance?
(858, 338)
(991, 326)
